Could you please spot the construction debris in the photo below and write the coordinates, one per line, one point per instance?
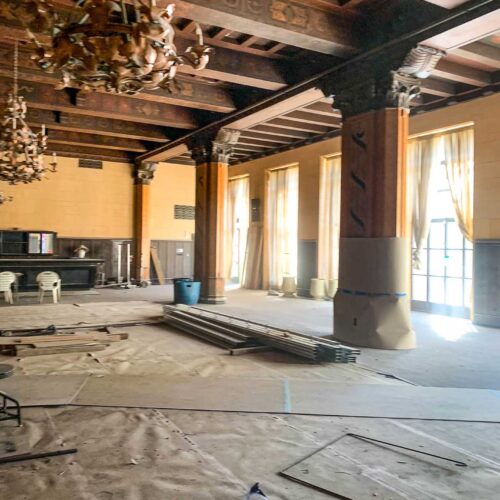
(230, 332)
(38, 343)
(32, 456)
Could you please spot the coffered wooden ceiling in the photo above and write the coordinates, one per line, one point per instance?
(261, 47)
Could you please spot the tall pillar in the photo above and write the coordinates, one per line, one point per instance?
(372, 306)
(144, 174)
(211, 155)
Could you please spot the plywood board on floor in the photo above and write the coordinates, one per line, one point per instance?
(354, 468)
(191, 393)
(45, 390)
(40, 316)
(259, 395)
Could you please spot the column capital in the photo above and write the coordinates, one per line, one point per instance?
(145, 172)
(214, 146)
(390, 82)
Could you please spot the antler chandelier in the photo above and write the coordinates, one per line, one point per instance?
(4, 198)
(105, 44)
(21, 150)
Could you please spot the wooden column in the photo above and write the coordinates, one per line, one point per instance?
(374, 176)
(372, 306)
(211, 155)
(144, 174)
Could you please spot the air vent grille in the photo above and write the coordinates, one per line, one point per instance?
(186, 212)
(90, 164)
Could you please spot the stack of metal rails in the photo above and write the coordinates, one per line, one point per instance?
(230, 332)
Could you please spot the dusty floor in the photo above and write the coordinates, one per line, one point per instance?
(452, 352)
(138, 454)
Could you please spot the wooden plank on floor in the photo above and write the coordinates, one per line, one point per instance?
(157, 265)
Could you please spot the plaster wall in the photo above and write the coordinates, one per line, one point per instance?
(74, 202)
(93, 203)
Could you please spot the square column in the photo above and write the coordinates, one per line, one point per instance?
(144, 175)
(372, 305)
(211, 155)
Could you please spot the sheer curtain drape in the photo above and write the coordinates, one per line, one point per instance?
(237, 221)
(329, 218)
(422, 157)
(459, 163)
(282, 224)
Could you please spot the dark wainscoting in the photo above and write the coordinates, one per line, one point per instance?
(176, 258)
(307, 266)
(99, 248)
(487, 283)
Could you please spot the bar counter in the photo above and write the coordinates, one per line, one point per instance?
(75, 273)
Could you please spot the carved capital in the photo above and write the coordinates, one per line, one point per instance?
(145, 172)
(382, 83)
(215, 147)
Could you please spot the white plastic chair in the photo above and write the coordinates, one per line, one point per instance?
(7, 279)
(48, 281)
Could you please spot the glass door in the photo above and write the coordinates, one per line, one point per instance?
(443, 284)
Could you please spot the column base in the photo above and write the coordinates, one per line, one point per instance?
(213, 300)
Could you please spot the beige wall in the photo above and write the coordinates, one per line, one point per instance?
(484, 112)
(173, 185)
(91, 203)
(75, 202)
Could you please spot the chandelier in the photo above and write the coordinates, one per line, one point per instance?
(21, 150)
(107, 45)
(4, 198)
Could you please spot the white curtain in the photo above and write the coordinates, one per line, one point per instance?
(329, 218)
(282, 224)
(459, 162)
(237, 221)
(422, 157)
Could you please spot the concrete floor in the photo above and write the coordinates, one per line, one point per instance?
(451, 352)
(138, 454)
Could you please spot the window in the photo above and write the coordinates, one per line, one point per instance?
(329, 218)
(282, 223)
(237, 221)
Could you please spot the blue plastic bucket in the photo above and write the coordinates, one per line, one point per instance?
(186, 291)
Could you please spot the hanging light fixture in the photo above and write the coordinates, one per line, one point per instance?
(104, 44)
(21, 150)
(4, 198)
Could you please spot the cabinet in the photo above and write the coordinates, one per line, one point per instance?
(27, 242)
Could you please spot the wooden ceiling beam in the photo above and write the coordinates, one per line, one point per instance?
(189, 93)
(323, 108)
(219, 40)
(335, 76)
(462, 74)
(96, 125)
(256, 142)
(43, 96)
(469, 31)
(481, 53)
(227, 65)
(298, 125)
(286, 105)
(440, 88)
(300, 25)
(91, 153)
(251, 134)
(95, 141)
(319, 119)
(273, 130)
